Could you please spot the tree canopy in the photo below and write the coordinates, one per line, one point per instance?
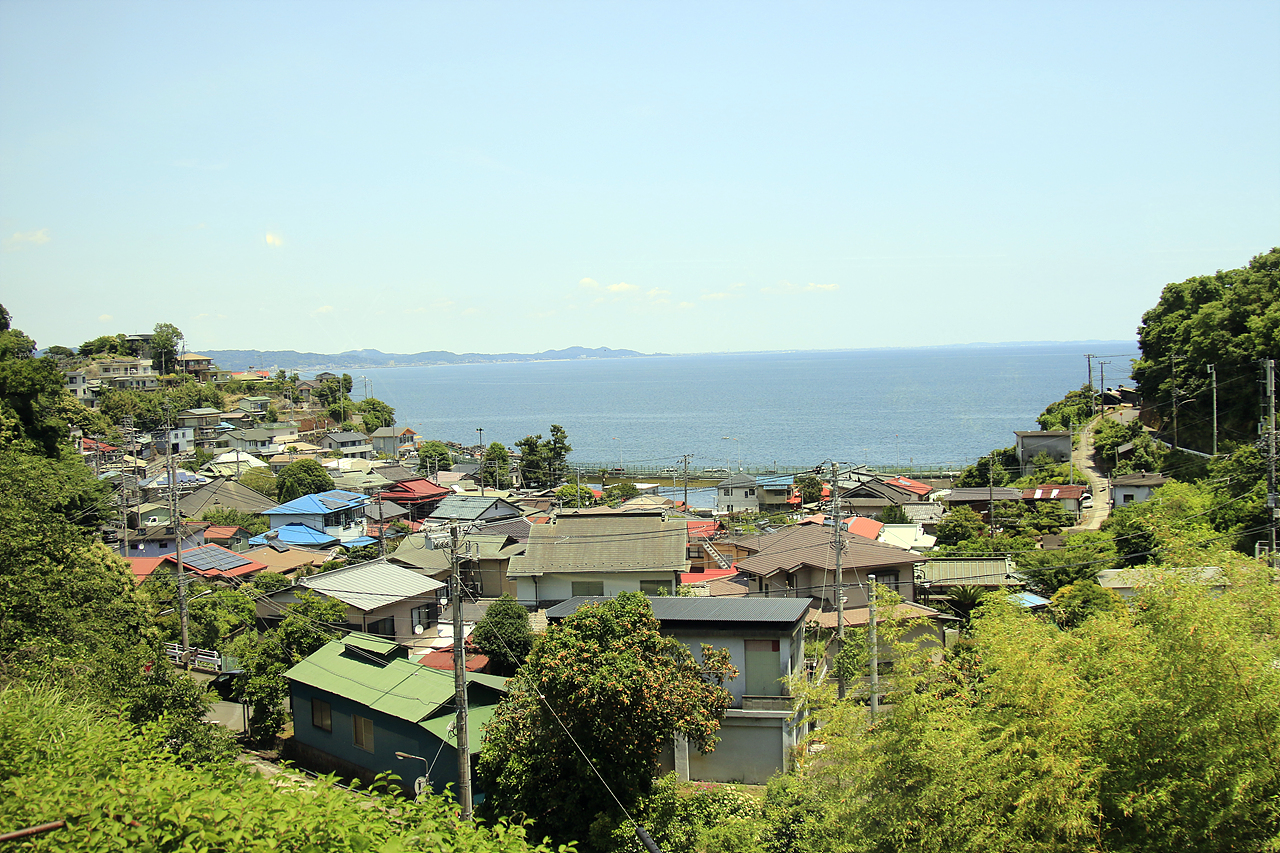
(165, 340)
(543, 460)
(1230, 319)
(302, 477)
(504, 635)
(434, 456)
(620, 688)
(495, 467)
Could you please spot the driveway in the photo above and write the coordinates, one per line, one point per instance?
(1082, 456)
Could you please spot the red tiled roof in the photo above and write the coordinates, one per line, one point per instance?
(910, 485)
(443, 659)
(142, 567)
(703, 528)
(866, 527)
(224, 532)
(417, 490)
(1053, 491)
(98, 446)
(708, 575)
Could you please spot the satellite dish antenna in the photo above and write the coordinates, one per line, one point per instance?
(417, 629)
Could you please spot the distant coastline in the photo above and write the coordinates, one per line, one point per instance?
(366, 359)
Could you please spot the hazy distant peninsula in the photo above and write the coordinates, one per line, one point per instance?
(242, 359)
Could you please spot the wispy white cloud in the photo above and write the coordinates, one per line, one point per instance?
(787, 287)
(105, 318)
(25, 240)
(622, 287)
(589, 283)
(323, 309)
(274, 239)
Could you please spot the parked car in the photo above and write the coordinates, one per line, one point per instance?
(716, 472)
(669, 472)
(1086, 502)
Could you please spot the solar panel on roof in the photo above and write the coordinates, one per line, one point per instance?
(213, 559)
(330, 503)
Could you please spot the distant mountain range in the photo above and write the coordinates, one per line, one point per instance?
(242, 359)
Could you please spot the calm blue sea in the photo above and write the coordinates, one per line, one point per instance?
(920, 407)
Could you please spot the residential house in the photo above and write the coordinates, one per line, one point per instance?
(224, 494)
(199, 366)
(922, 491)
(233, 463)
(765, 641)
(381, 597)
(773, 493)
(1067, 495)
(163, 538)
(1029, 445)
(207, 425)
(799, 561)
(870, 497)
(255, 441)
(284, 433)
(1135, 488)
(254, 405)
(231, 537)
(285, 559)
(737, 494)
(472, 509)
(296, 535)
(351, 444)
(981, 498)
(336, 512)
(484, 560)
(214, 562)
(123, 372)
(393, 441)
(909, 536)
(157, 488)
(358, 701)
(82, 387)
(417, 494)
(601, 552)
(176, 440)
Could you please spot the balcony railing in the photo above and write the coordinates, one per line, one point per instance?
(766, 703)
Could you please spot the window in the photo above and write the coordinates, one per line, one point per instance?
(587, 588)
(728, 493)
(763, 666)
(751, 493)
(422, 617)
(655, 587)
(362, 730)
(321, 715)
(382, 627)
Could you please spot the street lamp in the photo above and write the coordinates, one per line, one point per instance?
(419, 784)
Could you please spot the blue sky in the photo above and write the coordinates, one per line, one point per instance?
(676, 177)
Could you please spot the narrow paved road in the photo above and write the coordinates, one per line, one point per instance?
(1082, 457)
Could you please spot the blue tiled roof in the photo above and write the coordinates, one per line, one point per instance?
(296, 534)
(360, 542)
(320, 503)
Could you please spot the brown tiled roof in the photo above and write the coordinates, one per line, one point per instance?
(811, 545)
(857, 616)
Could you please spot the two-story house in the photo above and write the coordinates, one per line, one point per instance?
(199, 366)
(601, 552)
(765, 640)
(737, 494)
(393, 441)
(207, 425)
(352, 444)
(338, 513)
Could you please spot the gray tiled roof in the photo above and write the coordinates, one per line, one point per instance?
(811, 545)
(600, 542)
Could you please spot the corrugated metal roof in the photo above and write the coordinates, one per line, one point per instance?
(606, 542)
(367, 586)
(319, 503)
(965, 571)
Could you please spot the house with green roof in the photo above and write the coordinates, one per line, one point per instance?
(359, 700)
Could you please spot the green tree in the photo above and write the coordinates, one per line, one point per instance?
(1075, 603)
(262, 481)
(1072, 410)
(894, 514)
(571, 495)
(985, 473)
(1083, 554)
(226, 516)
(165, 340)
(620, 688)
(620, 492)
(1230, 319)
(302, 477)
(307, 625)
(377, 414)
(495, 467)
(810, 488)
(31, 395)
(504, 634)
(105, 345)
(959, 524)
(434, 456)
(543, 460)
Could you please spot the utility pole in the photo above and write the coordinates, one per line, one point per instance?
(1089, 357)
(991, 501)
(1273, 503)
(460, 681)
(874, 649)
(1173, 373)
(177, 531)
(127, 423)
(1102, 381)
(839, 546)
(482, 454)
(1213, 380)
(686, 458)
